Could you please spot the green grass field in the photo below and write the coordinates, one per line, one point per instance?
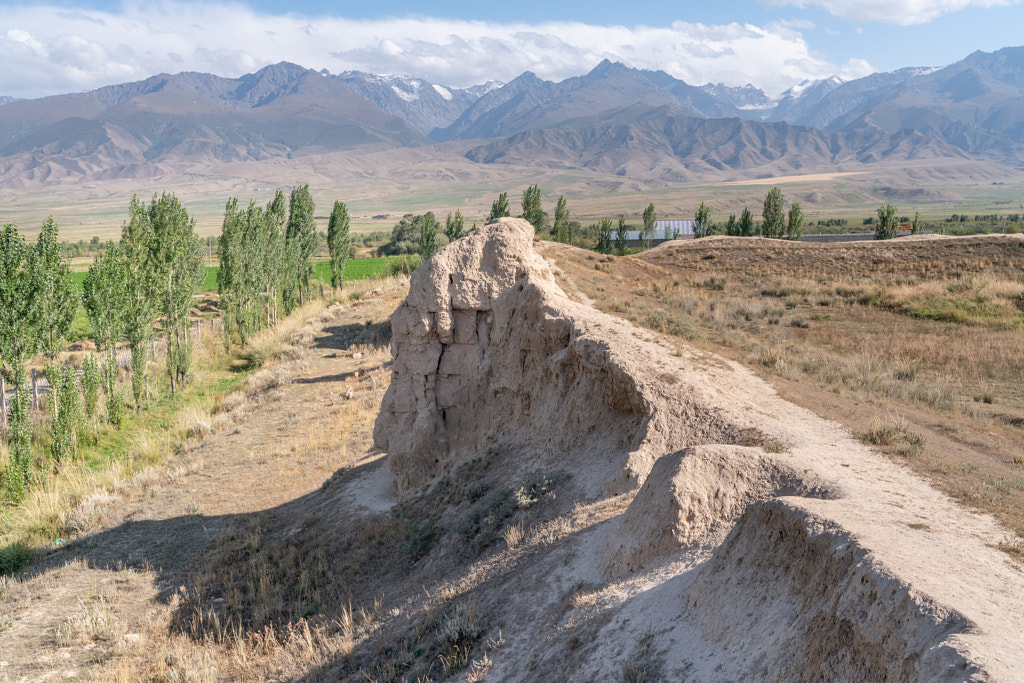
(355, 269)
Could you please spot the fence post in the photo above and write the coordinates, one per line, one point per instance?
(3, 403)
(35, 391)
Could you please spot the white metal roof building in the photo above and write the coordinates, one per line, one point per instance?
(662, 231)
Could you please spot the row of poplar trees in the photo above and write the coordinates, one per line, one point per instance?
(150, 274)
(266, 254)
(535, 215)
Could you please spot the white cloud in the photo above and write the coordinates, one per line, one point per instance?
(856, 68)
(901, 12)
(47, 51)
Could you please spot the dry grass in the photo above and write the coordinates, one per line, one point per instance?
(926, 330)
(365, 592)
(894, 433)
(95, 622)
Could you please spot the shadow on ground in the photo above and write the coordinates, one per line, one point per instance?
(311, 557)
(344, 337)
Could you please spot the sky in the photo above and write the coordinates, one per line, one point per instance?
(74, 45)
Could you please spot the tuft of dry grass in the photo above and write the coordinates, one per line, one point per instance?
(894, 431)
(91, 623)
(196, 423)
(513, 535)
(88, 513)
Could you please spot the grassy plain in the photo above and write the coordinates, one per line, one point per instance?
(380, 187)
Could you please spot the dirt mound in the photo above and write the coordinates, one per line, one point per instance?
(799, 598)
(757, 541)
(488, 350)
(691, 492)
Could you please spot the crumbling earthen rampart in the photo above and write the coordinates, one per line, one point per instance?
(798, 550)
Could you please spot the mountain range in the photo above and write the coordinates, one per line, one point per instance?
(614, 120)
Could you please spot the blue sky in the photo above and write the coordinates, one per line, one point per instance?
(72, 45)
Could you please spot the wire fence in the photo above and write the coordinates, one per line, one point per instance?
(40, 387)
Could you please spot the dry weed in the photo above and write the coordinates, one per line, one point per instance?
(87, 513)
(478, 669)
(513, 535)
(894, 431)
(196, 423)
(90, 624)
(231, 402)
(264, 381)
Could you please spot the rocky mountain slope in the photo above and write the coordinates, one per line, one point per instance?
(424, 106)
(642, 141)
(602, 121)
(974, 105)
(175, 123)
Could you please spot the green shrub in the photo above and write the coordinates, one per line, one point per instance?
(18, 474)
(403, 265)
(15, 557)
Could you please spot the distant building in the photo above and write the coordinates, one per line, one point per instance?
(663, 231)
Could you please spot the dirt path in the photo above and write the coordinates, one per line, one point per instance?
(89, 600)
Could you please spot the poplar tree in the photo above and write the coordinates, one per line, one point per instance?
(106, 298)
(620, 236)
(300, 243)
(533, 212)
(339, 242)
(773, 214)
(561, 226)
(454, 227)
(731, 226)
(795, 223)
(141, 306)
(746, 224)
(499, 208)
(604, 236)
(702, 222)
(274, 253)
(177, 273)
(20, 339)
(37, 304)
(649, 217)
(56, 294)
(241, 278)
(227, 248)
(428, 236)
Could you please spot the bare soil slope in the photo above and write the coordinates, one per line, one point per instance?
(765, 543)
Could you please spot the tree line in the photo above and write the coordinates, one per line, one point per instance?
(150, 274)
(266, 256)
(135, 287)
